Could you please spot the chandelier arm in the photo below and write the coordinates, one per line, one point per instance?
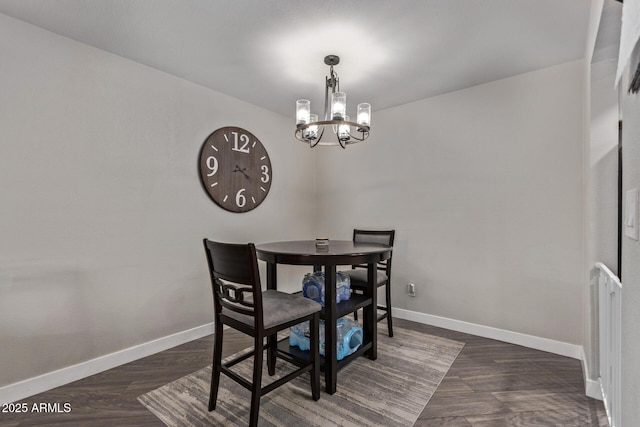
(312, 144)
(326, 98)
(365, 135)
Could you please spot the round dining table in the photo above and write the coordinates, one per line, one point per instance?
(327, 259)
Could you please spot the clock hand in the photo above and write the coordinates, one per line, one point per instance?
(237, 169)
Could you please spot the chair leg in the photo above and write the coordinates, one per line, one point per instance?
(389, 321)
(256, 393)
(272, 350)
(314, 351)
(215, 365)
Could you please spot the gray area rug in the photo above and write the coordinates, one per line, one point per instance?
(390, 391)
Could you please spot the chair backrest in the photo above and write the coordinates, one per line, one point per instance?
(235, 278)
(382, 237)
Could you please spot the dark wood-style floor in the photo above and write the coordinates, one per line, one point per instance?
(491, 383)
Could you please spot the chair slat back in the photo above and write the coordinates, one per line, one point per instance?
(381, 237)
(235, 278)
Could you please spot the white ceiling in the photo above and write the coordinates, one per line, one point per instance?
(271, 52)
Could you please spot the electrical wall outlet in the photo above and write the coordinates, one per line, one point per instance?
(411, 289)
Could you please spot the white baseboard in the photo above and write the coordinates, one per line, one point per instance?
(591, 387)
(530, 341)
(29, 387)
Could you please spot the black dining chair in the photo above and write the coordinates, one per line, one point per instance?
(358, 273)
(239, 302)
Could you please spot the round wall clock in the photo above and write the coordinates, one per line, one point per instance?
(235, 169)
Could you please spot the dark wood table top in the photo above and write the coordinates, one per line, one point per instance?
(304, 252)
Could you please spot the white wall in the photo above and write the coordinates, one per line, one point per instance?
(484, 188)
(630, 105)
(601, 170)
(102, 212)
(602, 196)
(603, 244)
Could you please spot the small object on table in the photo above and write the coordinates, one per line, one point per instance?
(322, 244)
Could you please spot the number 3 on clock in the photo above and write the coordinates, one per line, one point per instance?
(235, 169)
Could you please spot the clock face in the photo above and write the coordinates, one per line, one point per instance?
(235, 169)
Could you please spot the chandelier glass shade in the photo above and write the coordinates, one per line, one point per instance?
(336, 128)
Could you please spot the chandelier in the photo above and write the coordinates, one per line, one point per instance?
(336, 122)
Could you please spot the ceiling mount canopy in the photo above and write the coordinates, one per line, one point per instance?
(336, 127)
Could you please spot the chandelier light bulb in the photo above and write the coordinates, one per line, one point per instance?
(311, 132)
(303, 111)
(338, 106)
(343, 130)
(364, 114)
